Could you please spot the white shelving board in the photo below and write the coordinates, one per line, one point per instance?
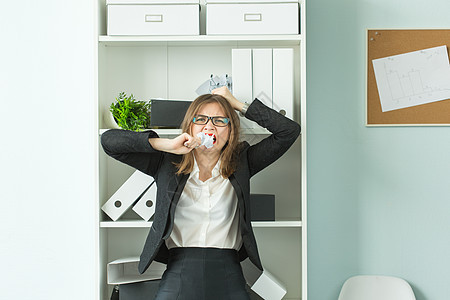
(144, 224)
(176, 132)
(200, 40)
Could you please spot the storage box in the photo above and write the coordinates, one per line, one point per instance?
(168, 113)
(262, 283)
(152, 17)
(125, 270)
(252, 17)
(262, 207)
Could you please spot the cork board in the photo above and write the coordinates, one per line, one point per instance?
(383, 43)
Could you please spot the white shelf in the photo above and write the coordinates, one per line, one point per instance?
(199, 40)
(144, 224)
(176, 132)
(275, 224)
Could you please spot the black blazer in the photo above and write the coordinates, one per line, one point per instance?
(133, 148)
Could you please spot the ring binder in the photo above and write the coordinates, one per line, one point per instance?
(145, 206)
(126, 195)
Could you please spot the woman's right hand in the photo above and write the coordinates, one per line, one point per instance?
(182, 144)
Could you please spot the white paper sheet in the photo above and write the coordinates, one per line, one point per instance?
(413, 78)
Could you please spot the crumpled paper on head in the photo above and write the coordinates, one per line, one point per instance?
(207, 140)
(215, 82)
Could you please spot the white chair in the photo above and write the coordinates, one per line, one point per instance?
(370, 287)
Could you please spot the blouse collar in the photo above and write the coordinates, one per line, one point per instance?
(215, 171)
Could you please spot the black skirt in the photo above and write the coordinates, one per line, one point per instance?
(202, 274)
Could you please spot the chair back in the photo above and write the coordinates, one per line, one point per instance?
(371, 287)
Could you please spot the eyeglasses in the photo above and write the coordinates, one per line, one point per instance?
(217, 120)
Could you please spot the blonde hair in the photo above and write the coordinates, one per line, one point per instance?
(229, 153)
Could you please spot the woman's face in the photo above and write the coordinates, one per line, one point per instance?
(220, 134)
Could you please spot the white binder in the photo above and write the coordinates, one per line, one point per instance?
(241, 69)
(145, 207)
(283, 81)
(262, 282)
(127, 194)
(262, 75)
(241, 66)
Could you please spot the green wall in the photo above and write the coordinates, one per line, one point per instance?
(378, 198)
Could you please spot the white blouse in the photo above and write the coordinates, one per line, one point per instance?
(206, 214)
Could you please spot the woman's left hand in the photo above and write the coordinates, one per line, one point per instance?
(225, 92)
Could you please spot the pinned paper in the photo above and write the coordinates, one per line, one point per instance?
(413, 78)
(207, 140)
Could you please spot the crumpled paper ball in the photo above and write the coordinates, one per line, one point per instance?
(207, 140)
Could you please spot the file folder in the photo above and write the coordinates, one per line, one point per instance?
(241, 68)
(127, 194)
(262, 75)
(145, 206)
(283, 81)
(262, 282)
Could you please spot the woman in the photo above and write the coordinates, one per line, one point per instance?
(202, 226)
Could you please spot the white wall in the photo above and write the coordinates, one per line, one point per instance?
(378, 197)
(48, 140)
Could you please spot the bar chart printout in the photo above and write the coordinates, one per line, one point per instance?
(413, 78)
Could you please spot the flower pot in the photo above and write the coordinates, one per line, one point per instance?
(109, 120)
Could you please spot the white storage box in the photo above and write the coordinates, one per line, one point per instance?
(252, 17)
(262, 282)
(125, 270)
(152, 17)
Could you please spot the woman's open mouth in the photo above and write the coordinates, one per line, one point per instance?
(214, 137)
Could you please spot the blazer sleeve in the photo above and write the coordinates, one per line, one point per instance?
(133, 149)
(284, 133)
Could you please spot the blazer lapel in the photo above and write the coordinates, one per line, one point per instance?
(177, 186)
(241, 204)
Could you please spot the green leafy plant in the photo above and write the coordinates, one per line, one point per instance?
(129, 113)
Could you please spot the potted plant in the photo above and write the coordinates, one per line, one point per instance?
(129, 113)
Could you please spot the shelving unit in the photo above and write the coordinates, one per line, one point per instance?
(173, 67)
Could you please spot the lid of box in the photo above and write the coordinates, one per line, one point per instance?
(248, 1)
(123, 260)
(109, 2)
